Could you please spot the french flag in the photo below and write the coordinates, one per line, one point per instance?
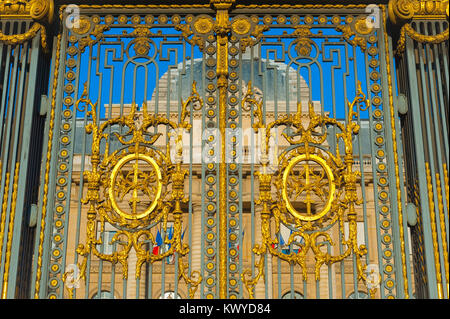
(158, 243)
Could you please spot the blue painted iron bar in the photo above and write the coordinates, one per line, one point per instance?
(15, 116)
(52, 173)
(252, 166)
(82, 161)
(22, 128)
(403, 196)
(42, 168)
(99, 74)
(344, 90)
(444, 54)
(88, 86)
(374, 172)
(163, 233)
(344, 82)
(420, 161)
(441, 109)
(69, 185)
(8, 164)
(264, 89)
(191, 141)
(435, 162)
(355, 78)
(391, 168)
(202, 211)
(445, 128)
(179, 89)
(438, 104)
(109, 115)
(363, 181)
(4, 95)
(241, 164)
(10, 152)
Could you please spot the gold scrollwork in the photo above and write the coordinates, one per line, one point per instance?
(402, 12)
(303, 41)
(141, 176)
(40, 11)
(196, 30)
(247, 30)
(356, 32)
(330, 177)
(407, 29)
(90, 32)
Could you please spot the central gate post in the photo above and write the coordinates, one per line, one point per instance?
(222, 29)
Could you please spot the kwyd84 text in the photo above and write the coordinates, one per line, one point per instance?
(228, 308)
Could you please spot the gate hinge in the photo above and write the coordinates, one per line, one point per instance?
(402, 104)
(44, 105)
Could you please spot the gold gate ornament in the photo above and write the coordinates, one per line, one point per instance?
(159, 181)
(336, 176)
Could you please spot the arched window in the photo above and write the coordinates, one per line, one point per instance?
(170, 295)
(104, 294)
(292, 295)
(361, 295)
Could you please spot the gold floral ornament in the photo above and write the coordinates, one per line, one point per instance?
(39, 11)
(356, 31)
(303, 41)
(141, 43)
(135, 186)
(196, 30)
(90, 31)
(307, 175)
(247, 30)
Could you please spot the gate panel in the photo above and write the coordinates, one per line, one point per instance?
(133, 94)
(21, 127)
(296, 75)
(217, 154)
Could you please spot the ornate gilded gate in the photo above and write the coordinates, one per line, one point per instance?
(219, 150)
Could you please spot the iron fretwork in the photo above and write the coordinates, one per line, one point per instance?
(116, 178)
(329, 176)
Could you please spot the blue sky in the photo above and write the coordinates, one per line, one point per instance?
(332, 79)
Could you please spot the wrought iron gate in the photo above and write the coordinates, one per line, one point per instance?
(222, 150)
